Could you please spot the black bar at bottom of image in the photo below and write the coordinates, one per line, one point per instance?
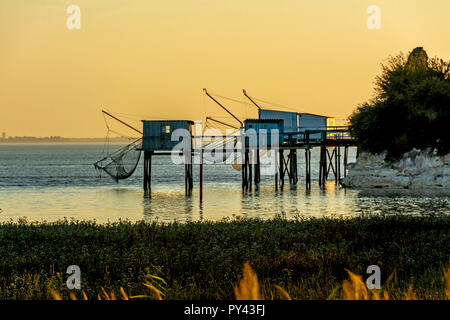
(225, 309)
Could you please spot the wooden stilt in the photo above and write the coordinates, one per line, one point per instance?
(322, 166)
(191, 181)
(293, 176)
(188, 174)
(281, 166)
(276, 170)
(339, 164)
(257, 171)
(308, 167)
(201, 177)
(250, 160)
(335, 165)
(147, 173)
(345, 160)
(149, 181)
(243, 171)
(185, 179)
(295, 167)
(246, 171)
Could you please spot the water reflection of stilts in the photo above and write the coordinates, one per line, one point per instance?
(156, 208)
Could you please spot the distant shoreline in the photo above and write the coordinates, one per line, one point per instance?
(32, 140)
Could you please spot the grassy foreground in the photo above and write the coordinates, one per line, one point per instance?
(204, 260)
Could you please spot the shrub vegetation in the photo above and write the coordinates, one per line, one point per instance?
(203, 260)
(410, 108)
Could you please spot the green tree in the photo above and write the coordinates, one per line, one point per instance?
(410, 109)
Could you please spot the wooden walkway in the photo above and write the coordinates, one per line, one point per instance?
(333, 143)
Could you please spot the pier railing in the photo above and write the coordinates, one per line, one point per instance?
(332, 136)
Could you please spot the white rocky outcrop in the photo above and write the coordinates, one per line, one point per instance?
(418, 169)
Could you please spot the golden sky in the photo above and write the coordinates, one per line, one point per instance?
(153, 57)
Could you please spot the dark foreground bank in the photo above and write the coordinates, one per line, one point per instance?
(204, 260)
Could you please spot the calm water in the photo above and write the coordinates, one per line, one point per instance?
(50, 182)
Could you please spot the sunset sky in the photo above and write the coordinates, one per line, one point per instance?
(153, 57)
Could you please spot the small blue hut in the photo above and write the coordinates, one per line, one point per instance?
(263, 128)
(157, 134)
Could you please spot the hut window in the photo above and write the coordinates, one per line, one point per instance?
(166, 129)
